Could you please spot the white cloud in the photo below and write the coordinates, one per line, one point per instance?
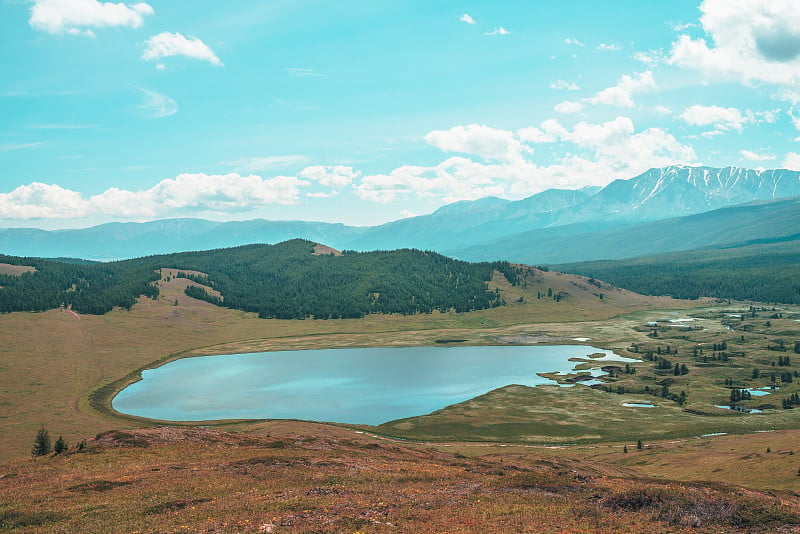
(498, 31)
(269, 162)
(42, 201)
(484, 141)
(167, 44)
(749, 42)
(157, 105)
(571, 41)
(466, 18)
(725, 119)
(454, 179)
(566, 107)
(185, 194)
(664, 110)
(605, 152)
(791, 161)
(621, 94)
(609, 47)
(77, 16)
(565, 86)
(722, 118)
(336, 176)
(199, 193)
(755, 156)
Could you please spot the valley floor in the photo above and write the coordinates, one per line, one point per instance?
(479, 466)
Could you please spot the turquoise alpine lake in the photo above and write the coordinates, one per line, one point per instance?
(357, 386)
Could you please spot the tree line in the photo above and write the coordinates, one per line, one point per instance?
(276, 281)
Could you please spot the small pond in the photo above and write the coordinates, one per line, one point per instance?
(358, 386)
(639, 405)
(739, 409)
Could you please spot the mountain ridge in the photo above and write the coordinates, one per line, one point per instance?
(656, 194)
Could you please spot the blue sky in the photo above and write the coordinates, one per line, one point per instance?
(367, 111)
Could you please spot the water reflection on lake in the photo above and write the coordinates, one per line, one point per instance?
(360, 386)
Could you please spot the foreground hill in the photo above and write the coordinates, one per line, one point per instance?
(288, 281)
(316, 479)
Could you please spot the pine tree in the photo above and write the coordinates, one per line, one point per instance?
(60, 446)
(41, 445)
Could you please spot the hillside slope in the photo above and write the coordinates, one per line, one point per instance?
(761, 272)
(573, 243)
(314, 479)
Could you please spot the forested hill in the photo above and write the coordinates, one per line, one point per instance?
(766, 271)
(282, 281)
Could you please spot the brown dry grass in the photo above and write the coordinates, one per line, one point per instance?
(15, 270)
(200, 480)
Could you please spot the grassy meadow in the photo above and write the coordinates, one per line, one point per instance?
(546, 459)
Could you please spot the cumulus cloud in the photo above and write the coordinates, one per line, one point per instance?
(187, 193)
(791, 161)
(755, 156)
(42, 201)
(608, 47)
(749, 42)
(591, 154)
(484, 141)
(725, 119)
(621, 95)
(571, 41)
(167, 44)
(722, 118)
(193, 192)
(466, 18)
(456, 178)
(80, 16)
(565, 86)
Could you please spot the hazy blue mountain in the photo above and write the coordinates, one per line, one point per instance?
(127, 240)
(473, 229)
(468, 222)
(761, 220)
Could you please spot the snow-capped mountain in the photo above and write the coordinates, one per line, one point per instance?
(675, 191)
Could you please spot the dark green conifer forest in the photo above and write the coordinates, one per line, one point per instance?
(285, 281)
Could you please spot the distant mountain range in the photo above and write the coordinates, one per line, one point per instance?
(556, 225)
